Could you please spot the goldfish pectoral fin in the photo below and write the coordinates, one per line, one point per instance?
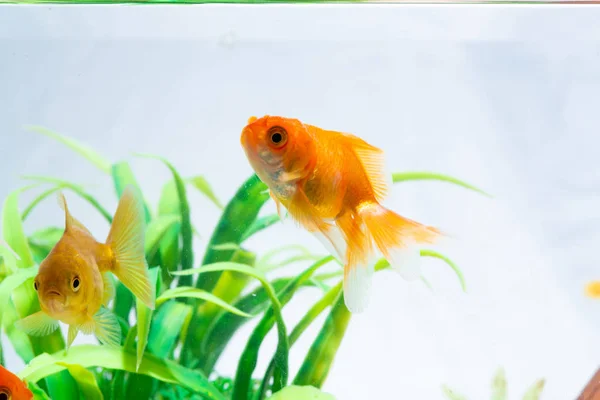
(109, 288)
(126, 239)
(398, 238)
(357, 286)
(280, 209)
(73, 331)
(37, 324)
(107, 328)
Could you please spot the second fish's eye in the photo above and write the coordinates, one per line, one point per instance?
(75, 284)
(5, 394)
(278, 136)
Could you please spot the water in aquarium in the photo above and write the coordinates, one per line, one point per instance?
(299, 202)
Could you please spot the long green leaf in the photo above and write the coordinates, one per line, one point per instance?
(87, 152)
(75, 188)
(12, 282)
(425, 175)
(39, 199)
(8, 259)
(144, 318)
(276, 305)
(238, 216)
(88, 356)
(312, 314)
(38, 393)
(318, 360)
(259, 225)
(249, 357)
(200, 183)
(42, 241)
(452, 394)
(187, 253)
(192, 292)
(156, 230)
(12, 229)
(85, 380)
(535, 391)
(499, 390)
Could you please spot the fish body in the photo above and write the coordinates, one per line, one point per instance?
(332, 183)
(12, 388)
(73, 282)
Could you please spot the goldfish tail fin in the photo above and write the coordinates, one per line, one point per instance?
(37, 324)
(105, 326)
(398, 238)
(126, 239)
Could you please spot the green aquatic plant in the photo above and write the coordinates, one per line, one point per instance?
(499, 389)
(202, 299)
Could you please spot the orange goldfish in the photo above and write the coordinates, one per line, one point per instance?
(12, 388)
(332, 184)
(73, 285)
(592, 289)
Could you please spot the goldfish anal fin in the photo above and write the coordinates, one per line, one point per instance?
(398, 238)
(37, 324)
(333, 240)
(107, 328)
(109, 288)
(126, 239)
(73, 331)
(70, 221)
(359, 261)
(373, 161)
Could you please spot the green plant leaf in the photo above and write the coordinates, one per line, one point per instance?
(19, 340)
(424, 175)
(266, 263)
(169, 252)
(499, 386)
(168, 325)
(12, 282)
(8, 259)
(312, 314)
(85, 380)
(192, 292)
(249, 357)
(87, 152)
(259, 225)
(200, 183)
(187, 252)
(12, 229)
(535, 391)
(459, 275)
(144, 318)
(38, 393)
(75, 188)
(318, 360)
(238, 216)
(39, 199)
(155, 232)
(293, 392)
(120, 359)
(451, 394)
(244, 269)
(42, 241)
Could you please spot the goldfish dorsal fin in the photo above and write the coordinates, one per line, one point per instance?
(70, 221)
(373, 161)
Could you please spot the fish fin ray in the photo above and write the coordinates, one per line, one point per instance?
(37, 324)
(357, 286)
(109, 288)
(278, 205)
(107, 328)
(70, 221)
(373, 161)
(398, 238)
(332, 239)
(73, 331)
(126, 239)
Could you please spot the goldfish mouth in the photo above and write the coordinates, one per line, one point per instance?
(53, 293)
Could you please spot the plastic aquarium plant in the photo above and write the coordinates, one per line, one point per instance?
(499, 389)
(171, 352)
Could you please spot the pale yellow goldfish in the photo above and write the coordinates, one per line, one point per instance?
(73, 285)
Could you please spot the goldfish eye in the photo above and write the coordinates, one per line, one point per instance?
(75, 284)
(5, 394)
(35, 286)
(277, 136)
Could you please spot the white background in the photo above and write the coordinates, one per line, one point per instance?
(503, 97)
